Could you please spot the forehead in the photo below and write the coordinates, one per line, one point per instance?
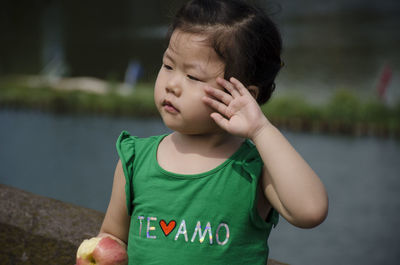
(192, 47)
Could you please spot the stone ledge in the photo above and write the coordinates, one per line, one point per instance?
(39, 230)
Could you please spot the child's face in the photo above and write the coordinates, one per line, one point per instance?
(189, 64)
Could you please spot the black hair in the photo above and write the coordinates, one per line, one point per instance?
(242, 35)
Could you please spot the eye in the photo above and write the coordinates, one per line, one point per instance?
(193, 78)
(166, 66)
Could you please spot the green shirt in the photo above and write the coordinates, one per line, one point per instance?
(208, 218)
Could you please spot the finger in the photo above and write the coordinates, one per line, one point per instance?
(219, 94)
(216, 105)
(239, 86)
(228, 86)
(220, 120)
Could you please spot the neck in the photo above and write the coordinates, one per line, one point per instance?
(205, 143)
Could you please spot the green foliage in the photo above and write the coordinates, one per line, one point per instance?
(376, 112)
(139, 103)
(345, 112)
(343, 107)
(290, 108)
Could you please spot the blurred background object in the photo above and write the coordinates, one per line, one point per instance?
(328, 45)
(81, 38)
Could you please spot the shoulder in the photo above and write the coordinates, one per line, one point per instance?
(127, 145)
(250, 152)
(126, 138)
(247, 161)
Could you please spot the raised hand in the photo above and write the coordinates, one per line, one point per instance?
(237, 111)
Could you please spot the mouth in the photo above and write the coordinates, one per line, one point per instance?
(169, 107)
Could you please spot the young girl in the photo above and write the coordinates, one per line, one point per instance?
(211, 191)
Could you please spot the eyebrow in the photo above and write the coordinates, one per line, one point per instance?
(195, 66)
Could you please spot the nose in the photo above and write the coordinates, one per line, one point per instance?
(174, 85)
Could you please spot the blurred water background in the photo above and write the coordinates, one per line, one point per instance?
(73, 158)
(329, 45)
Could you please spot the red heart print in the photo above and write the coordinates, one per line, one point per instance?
(167, 228)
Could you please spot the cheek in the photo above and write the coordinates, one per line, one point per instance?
(158, 87)
(200, 92)
(160, 76)
(196, 97)
(200, 109)
(158, 80)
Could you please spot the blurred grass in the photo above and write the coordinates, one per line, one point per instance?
(344, 113)
(19, 96)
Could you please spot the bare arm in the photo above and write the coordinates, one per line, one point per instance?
(288, 182)
(116, 220)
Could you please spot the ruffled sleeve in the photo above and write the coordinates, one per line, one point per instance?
(250, 165)
(126, 151)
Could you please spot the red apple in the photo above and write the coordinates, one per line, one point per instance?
(101, 251)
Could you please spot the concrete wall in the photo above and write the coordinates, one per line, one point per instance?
(36, 230)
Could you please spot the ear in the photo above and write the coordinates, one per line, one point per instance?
(254, 91)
